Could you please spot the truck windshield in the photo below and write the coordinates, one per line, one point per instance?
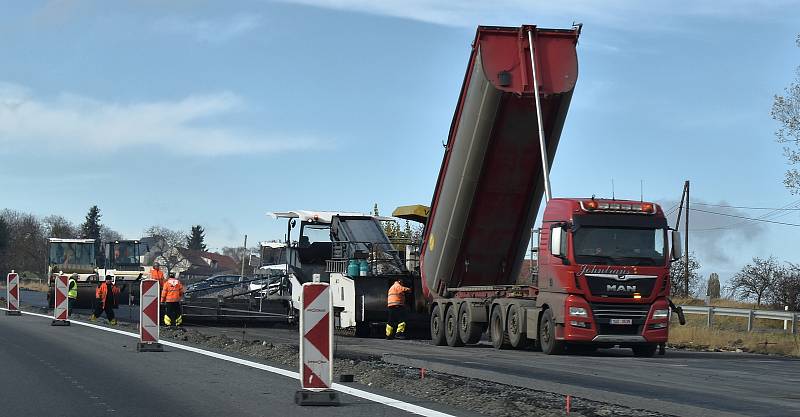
(619, 246)
(125, 253)
(71, 253)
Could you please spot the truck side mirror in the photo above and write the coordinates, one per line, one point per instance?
(677, 245)
(558, 242)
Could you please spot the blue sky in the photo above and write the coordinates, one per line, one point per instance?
(213, 113)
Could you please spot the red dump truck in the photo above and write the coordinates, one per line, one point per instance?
(603, 265)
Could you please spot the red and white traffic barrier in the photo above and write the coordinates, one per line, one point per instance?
(149, 313)
(12, 286)
(61, 304)
(316, 346)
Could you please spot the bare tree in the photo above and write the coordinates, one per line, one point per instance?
(27, 243)
(677, 273)
(756, 279)
(166, 246)
(786, 111)
(108, 234)
(241, 253)
(58, 226)
(786, 289)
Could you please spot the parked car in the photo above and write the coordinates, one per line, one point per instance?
(215, 281)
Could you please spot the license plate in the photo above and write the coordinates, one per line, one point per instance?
(621, 321)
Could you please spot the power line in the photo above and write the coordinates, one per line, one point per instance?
(743, 217)
(775, 213)
(746, 207)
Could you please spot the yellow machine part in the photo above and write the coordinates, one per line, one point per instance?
(417, 213)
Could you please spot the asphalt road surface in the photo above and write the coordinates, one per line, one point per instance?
(682, 382)
(80, 371)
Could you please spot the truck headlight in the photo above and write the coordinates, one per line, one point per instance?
(578, 312)
(661, 314)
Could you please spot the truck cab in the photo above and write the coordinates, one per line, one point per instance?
(72, 256)
(603, 272)
(122, 261)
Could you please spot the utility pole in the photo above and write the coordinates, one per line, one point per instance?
(686, 245)
(244, 253)
(685, 199)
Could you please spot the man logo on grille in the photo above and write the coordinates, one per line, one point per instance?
(620, 288)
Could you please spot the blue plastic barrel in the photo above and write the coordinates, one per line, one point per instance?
(363, 268)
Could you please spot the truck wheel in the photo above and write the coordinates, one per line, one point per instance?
(498, 333)
(451, 328)
(547, 335)
(363, 329)
(437, 327)
(516, 328)
(468, 330)
(644, 351)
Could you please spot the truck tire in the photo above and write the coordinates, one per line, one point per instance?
(644, 351)
(451, 328)
(516, 329)
(363, 329)
(469, 331)
(437, 327)
(496, 330)
(547, 335)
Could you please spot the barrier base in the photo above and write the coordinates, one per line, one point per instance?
(149, 347)
(322, 398)
(13, 313)
(60, 323)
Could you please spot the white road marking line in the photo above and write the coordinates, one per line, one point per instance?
(344, 389)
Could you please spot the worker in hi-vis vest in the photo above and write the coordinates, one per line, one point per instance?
(72, 293)
(157, 274)
(396, 302)
(107, 294)
(171, 294)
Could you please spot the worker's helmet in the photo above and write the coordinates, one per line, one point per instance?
(74, 276)
(156, 265)
(172, 275)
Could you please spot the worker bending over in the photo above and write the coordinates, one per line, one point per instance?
(107, 301)
(396, 302)
(171, 294)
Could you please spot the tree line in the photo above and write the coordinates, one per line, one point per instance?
(767, 282)
(23, 238)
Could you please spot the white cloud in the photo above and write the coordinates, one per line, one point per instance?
(72, 122)
(618, 13)
(211, 31)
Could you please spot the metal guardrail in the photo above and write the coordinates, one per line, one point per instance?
(750, 314)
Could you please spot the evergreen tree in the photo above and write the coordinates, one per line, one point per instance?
(195, 240)
(90, 229)
(713, 288)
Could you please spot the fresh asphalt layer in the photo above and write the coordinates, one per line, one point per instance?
(78, 371)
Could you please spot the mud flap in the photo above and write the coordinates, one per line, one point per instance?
(532, 321)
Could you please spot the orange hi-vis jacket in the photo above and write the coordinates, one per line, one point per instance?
(158, 275)
(172, 291)
(397, 295)
(102, 291)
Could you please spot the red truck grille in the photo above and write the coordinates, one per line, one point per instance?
(605, 315)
